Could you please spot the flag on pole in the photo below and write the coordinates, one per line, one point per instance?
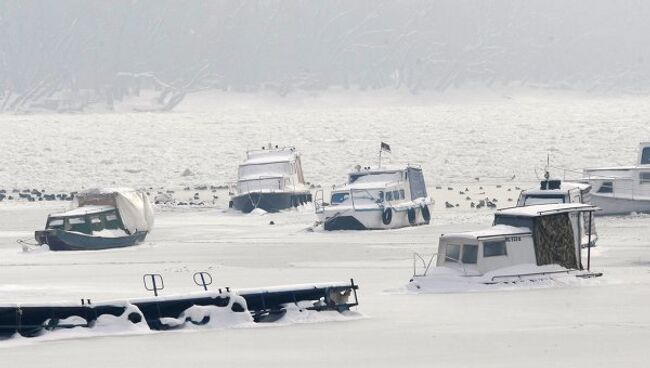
(385, 147)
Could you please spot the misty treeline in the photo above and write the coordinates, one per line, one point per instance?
(71, 54)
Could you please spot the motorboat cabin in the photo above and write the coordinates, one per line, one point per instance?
(379, 198)
(622, 190)
(555, 191)
(99, 219)
(524, 243)
(271, 179)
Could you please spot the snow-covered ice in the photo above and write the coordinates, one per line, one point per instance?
(601, 324)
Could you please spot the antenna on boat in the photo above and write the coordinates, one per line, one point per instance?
(383, 147)
(547, 174)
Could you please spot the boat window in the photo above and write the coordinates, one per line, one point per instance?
(76, 220)
(396, 194)
(530, 200)
(389, 196)
(494, 248)
(606, 187)
(402, 194)
(645, 156)
(380, 197)
(96, 223)
(79, 225)
(55, 224)
(453, 253)
(513, 221)
(470, 253)
(340, 197)
(644, 178)
(112, 221)
(361, 195)
(252, 185)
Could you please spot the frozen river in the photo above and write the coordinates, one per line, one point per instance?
(604, 323)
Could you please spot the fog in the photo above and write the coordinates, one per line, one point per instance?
(71, 54)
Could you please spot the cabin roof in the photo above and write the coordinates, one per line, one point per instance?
(269, 156)
(384, 169)
(564, 188)
(494, 231)
(84, 210)
(546, 209)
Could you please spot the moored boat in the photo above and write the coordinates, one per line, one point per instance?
(531, 243)
(622, 190)
(377, 198)
(101, 219)
(270, 179)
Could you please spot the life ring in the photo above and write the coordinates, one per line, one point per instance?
(411, 215)
(426, 214)
(387, 216)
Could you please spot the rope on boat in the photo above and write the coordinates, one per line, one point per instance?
(26, 242)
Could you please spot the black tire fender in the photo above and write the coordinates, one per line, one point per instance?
(426, 214)
(387, 216)
(410, 213)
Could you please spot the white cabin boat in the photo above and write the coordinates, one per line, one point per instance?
(524, 244)
(373, 199)
(555, 191)
(622, 190)
(271, 179)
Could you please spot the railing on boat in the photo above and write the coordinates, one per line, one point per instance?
(425, 264)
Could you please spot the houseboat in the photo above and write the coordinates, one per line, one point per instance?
(622, 190)
(99, 219)
(531, 243)
(270, 179)
(376, 198)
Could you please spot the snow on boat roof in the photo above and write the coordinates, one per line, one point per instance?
(546, 209)
(85, 210)
(383, 169)
(260, 157)
(374, 180)
(564, 187)
(103, 191)
(494, 231)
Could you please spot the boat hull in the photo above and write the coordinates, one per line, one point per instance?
(269, 202)
(618, 205)
(371, 219)
(59, 240)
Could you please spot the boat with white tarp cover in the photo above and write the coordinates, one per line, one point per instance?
(100, 218)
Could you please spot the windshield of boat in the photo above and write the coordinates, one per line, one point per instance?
(530, 200)
(272, 169)
(645, 156)
(514, 221)
(257, 185)
(359, 196)
(368, 195)
(338, 198)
